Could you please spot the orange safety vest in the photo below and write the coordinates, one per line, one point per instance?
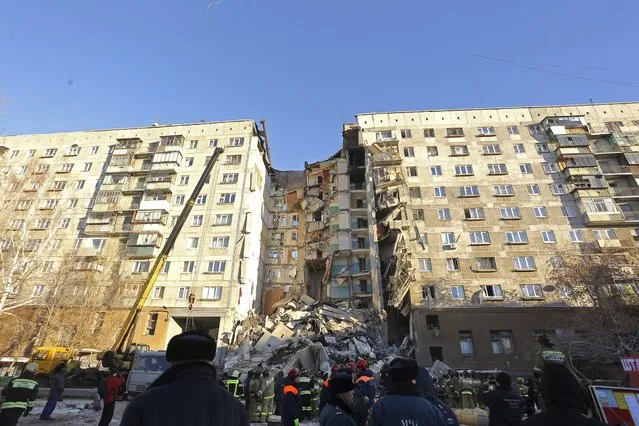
(364, 379)
(326, 383)
(291, 388)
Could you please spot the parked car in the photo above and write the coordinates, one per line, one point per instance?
(147, 367)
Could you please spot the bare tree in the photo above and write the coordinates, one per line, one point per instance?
(604, 285)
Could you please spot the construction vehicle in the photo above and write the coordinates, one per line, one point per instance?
(117, 356)
(82, 365)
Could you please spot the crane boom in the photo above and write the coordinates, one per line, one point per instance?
(144, 292)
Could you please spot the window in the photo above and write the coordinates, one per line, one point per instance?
(485, 264)
(184, 180)
(459, 151)
(188, 162)
(440, 191)
(548, 237)
(513, 130)
(183, 293)
(212, 143)
(50, 152)
(226, 198)
(443, 214)
(38, 290)
(503, 190)
(233, 159)
(201, 199)
(406, 133)
(74, 150)
(502, 342)
(179, 200)
(492, 291)
(192, 144)
(197, 220)
(576, 236)
(66, 168)
(293, 236)
(466, 343)
(428, 292)
(220, 242)
(452, 264)
(55, 245)
(418, 214)
(457, 292)
(550, 168)
(453, 132)
(464, 170)
(151, 323)
(59, 185)
(524, 263)
(435, 170)
(192, 243)
(448, 238)
(47, 266)
(492, 149)
(65, 222)
(94, 150)
(614, 126)
(141, 266)
(230, 177)
(474, 213)
(525, 168)
(510, 213)
(497, 169)
(600, 205)
(542, 148)
(532, 291)
(469, 191)
(211, 293)
(533, 189)
(42, 168)
(414, 192)
(486, 131)
(519, 148)
(516, 237)
(294, 253)
(540, 211)
(16, 224)
(604, 234)
(14, 154)
(158, 293)
(42, 224)
(432, 151)
(568, 211)
(425, 264)
(87, 167)
(188, 267)
(31, 153)
(479, 237)
(411, 171)
(216, 266)
(79, 184)
(223, 219)
(166, 267)
(423, 238)
(429, 133)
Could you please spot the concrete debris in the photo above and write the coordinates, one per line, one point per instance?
(308, 334)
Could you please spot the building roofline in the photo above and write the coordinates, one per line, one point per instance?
(503, 107)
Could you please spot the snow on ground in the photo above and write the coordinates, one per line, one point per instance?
(71, 412)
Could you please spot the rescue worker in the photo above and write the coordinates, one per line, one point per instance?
(279, 392)
(255, 397)
(338, 411)
(325, 394)
(234, 386)
(268, 396)
(476, 387)
(450, 390)
(531, 400)
(19, 396)
(522, 388)
(291, 405)
(305, 386)
(404, 404)
(547, 353)
(365, 382)
(425, 384)
(318, 385)
(466, 388)
(187, 393)
(456, 384)
(505, 407)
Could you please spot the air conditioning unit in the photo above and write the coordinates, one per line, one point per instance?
(451, 246)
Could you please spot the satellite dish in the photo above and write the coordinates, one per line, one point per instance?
(549, 288)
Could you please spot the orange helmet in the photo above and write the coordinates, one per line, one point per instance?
(293, 373)
(335, 368)
(351, 366)
(362, 364)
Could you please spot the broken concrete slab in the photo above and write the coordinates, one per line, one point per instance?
(308, 300)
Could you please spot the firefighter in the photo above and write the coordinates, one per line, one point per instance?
(547, 353)
(291, 406)
(466, 387)
(255, 397)
(306, 394)
(522, 388)
(365, 382)
(475, 381)
(235, 387)
(19, 396)
(268, 396)
(455, 383)
(318, 385)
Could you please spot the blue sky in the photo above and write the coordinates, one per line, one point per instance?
(305, 66)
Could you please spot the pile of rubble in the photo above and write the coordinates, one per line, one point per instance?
(307, 334)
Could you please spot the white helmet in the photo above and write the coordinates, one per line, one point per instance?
(236, 373)
(32, 367)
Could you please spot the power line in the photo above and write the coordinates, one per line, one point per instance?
(560, 74)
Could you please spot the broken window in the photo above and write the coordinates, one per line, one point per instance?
(502, 342)
(432, 321)
(151, 324)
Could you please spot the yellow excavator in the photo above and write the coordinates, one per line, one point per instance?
(121, 355)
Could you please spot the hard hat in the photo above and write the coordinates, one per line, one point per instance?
(236, 373)
(32, 367)
(362, 363)
(293, 373)
(521, 380)
(335, 368)
(351, 365)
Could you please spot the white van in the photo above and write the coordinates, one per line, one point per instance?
(147, 367)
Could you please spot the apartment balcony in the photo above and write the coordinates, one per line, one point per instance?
(143, 252)
(359, 247)
(153, 228)
(624, 139)
(625, 192)
(631, 216)
(163, 205)
(361, 290)
(358, 269)
(168, 166)
(88, 266)
(384, 182)
(386, 158)
(88, 251)
(584, 192)
(606, 148)
(358, 187)
(120, 168)
(572, 150)
(98, 228)
(615, 170)
(164, 187)
(603, 218)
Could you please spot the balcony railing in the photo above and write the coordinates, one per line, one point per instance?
(626, 191)
(615, 170)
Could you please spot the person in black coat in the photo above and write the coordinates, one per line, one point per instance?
(338, 411)
(505, 407)
(565, 402)
(291, 403)
(425, 384)
(359, 406)
(187, 394)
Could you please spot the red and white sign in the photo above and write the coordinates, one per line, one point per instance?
(630, 363)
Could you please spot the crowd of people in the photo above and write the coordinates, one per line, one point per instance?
(189, 393)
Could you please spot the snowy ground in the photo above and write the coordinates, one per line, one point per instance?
(71, 412)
